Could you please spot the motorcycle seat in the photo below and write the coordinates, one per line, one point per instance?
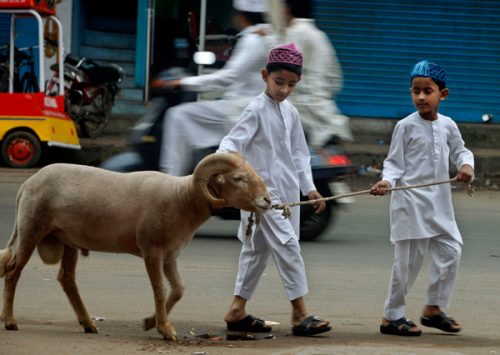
(104, 74)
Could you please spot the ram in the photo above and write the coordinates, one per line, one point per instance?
(64, 208)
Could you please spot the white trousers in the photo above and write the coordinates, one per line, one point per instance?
(255, 255)
(445, 254)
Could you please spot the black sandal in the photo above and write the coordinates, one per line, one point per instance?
(310, 326)
(249, 324)
(441, 321)
(401, 326)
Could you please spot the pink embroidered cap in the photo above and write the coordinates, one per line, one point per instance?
(289, 54)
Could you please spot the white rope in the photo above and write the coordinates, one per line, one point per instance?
(286, 206)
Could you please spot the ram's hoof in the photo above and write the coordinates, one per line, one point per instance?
(10, 322)
(90, 330)
(11, 326)
(168, 332)
(170, 337)
(88, 327)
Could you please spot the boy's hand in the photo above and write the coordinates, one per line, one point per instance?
(465, 174)
(380, 188)
(318, 206)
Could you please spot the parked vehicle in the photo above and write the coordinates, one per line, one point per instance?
(329, 164)
(90, 91)
(31, 121)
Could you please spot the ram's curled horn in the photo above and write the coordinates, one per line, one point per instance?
(212, 164)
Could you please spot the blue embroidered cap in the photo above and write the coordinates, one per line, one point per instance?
(429, 70)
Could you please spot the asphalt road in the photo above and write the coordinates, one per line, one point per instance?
(348, 271)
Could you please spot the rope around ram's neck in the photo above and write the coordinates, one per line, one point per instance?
(286, 206)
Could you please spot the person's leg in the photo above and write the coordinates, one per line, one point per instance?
(172, 149)
(252, 263)
(185, 127)
(446, 254)
(408, 258)
(291, 268)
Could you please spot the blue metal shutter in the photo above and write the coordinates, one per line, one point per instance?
(379, 41)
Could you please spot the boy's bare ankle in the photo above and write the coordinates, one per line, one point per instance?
(234, 315)
(430, 310)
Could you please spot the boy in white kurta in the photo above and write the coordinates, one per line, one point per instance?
(422, 220)
(270, 136)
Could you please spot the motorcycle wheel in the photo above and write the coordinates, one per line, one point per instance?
(312, 225)
(21, 150)
(93, 125)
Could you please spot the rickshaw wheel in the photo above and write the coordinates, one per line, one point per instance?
(21, 150)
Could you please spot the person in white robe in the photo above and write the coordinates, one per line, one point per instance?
(422, 220)
(322, 77)
(270, 136)
(202, 124)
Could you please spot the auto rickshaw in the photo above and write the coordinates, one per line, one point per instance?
(31, 121)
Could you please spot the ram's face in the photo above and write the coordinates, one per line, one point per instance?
(243, 189)
(226, 179)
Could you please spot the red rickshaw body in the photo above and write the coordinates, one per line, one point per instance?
(32, 121)
(42, 115)
(44, 7)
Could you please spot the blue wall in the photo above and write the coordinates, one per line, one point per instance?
(379, 41)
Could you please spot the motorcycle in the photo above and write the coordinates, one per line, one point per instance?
(329, 165)
(90, 91)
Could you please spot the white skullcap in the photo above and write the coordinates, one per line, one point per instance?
(250, 5)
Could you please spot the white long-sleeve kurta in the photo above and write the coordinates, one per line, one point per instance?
(270, 136)
(420, 152)
(241, 75)
(321, 80)
(240, 79)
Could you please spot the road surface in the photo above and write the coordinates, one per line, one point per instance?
(348, 271)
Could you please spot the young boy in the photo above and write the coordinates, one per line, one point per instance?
(422, 219)
(269, 134)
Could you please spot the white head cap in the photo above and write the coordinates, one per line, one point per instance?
(250, 5)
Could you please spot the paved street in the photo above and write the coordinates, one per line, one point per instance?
(348, 272)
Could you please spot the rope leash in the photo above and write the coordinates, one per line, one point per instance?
(286, 206)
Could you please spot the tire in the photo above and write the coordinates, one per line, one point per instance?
(93, 126)
(21, 150)
(312, 225)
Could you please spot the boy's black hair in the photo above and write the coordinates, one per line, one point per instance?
(272, 67)
(254, 17)
(439, 83)
(300, 8)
